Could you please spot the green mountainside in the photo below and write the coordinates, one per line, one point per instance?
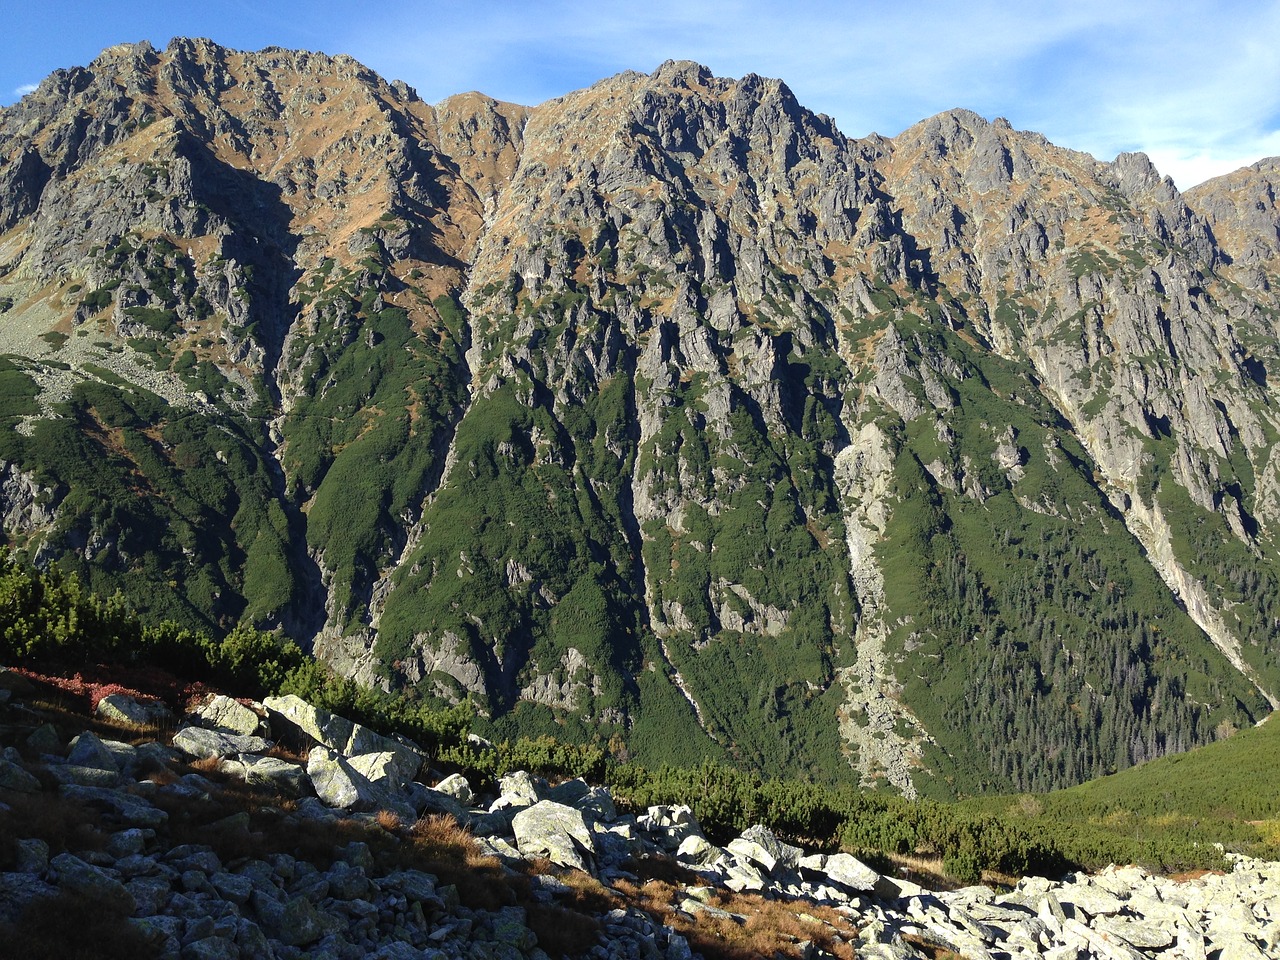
(661, 414)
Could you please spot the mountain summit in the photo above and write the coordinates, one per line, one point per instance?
(662, 411)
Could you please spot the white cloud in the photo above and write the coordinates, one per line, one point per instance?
(26, 88)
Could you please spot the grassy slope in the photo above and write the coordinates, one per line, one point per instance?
(1237, 778)
(1228, 792)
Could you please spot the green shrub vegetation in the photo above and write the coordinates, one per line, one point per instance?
(1060, 656)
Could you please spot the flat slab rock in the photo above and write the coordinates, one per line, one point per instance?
(201, 743)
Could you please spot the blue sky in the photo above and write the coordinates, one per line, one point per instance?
(1193, 83)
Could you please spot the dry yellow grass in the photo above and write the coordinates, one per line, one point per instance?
(771, 928)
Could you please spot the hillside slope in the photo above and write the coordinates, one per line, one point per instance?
(943, 462)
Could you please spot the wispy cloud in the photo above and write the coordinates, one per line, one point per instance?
(1195, 84)
(26, 88)
(1197, 87)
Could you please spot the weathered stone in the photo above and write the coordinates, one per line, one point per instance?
(294, 922)
(556, 832)
(426, 800)
(76, 876)
(283, 776)
(163, 931)
(1098, 944)
(698, 851)
(1091, 900)
(226, 715)
(15, 682)
(1143, 933)
(896, 888)
(15, 778)
(204, 744)
(415, 885)
(669, 825)
(782, 853)
(130, 711)
(132, 841)
(519, 789)
(87, 750)
(753, 852)
(850, 872)
(380, 769)
(498, 847)
(456, 786)
(84, 776)
(116, 804)
(17, 891)
(44, 739)
(343, 783)
(342, 735)
(347, 882)
(32, 856)
(743, 875)
(210, 948)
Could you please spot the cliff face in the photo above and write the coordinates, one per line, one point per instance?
(944, 461)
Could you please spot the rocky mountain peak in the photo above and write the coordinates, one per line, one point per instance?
(662, 402)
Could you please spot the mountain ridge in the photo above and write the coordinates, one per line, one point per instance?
(662, 402)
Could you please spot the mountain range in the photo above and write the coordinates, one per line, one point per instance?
(662, 413)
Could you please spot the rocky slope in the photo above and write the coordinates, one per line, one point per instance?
(318, 860)
(942, 461)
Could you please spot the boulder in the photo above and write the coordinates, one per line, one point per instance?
(76, 876)
(44, 739)
(425, 800)
(283, 776)
(498, 847)
(14, 777)
(456, 786)
(743, 875)
(18, 891)
(201, 743)
(381, 769)
(87, 750)
(556, 832)
(15, 682)
(130, 711)
(595, 802)
(363, 782)
(783, 853)
(85, 776)
(1091, 900)
(336, 784)
(116, 805)
(227, 716)
(342, 735)
(519, 789)
(850, 873)
(293, 922)
(668, 825)
(752, 852)
(698, 851)
(896, 888)
(1145, 933)
(31, 856)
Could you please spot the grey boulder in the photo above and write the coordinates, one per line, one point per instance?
(556, 832)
